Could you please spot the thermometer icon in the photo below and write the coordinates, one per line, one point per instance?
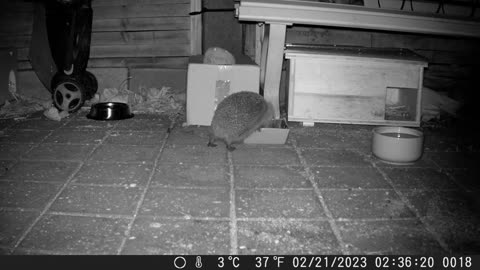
(198, 262)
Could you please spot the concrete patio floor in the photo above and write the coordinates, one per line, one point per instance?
(81, 186)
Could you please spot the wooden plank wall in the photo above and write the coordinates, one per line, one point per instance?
(126, 34)
(222, 29)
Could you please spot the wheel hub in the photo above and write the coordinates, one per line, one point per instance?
(67, 96)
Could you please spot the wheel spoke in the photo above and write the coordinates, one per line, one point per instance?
(67, 96)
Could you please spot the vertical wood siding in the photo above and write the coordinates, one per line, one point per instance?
(125, 33)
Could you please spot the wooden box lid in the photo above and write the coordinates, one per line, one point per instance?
(396, 54)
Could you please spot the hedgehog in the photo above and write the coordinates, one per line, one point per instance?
(238, 116)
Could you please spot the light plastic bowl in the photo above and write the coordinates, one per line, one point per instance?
(397, 145)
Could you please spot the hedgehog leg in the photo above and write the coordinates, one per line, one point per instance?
(210, 144)
(211, 141)
(230, 147)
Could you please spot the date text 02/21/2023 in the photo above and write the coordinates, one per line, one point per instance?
(345, 262)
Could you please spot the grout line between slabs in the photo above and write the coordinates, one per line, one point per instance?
(273, 189)
(33, 145)
(91, 215)
(457, 182)
(35, 251)
(405, 200)
(319, 195)
(448, 173)
(129, 217)
(145, 190)
(62, 188)
(233, 213)
(47, 252)
(157, 186)
(182, 218)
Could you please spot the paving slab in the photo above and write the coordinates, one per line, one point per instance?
(76, 235)
(14, 151)
(83, 123)
(30, 195)
(286, 237)
(77, 137)
(318, 138)
(191, 175)
(197, 135)
(467, 178)
(214, 203)
(366, 204)
(441, 143)
(98, 200)
(60, 152)
(122, 174)
(461, 234)
(329, 157)
(349, 178)
(269, 176)
(6, 123)
(358, 137)
(137, 123)
(444, 202)
(419, 178)
(376, 207)
(278, 204)
(37, 124)
(46, 171)
(194, 154)
(156, 236)
(5, 166)
(5, 251)
(135, 138)
(455, 159)
(23, 136)
(125, 153)
(265, 156)
(13, 224)
(406, 237)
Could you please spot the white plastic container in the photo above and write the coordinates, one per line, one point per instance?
(276, 133)
(397, 145)
(208, 85)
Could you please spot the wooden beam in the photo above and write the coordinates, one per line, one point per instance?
(196, 28)
(271, 64)
(351, 16)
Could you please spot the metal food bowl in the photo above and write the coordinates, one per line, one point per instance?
(397, 145)
(110, 111)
